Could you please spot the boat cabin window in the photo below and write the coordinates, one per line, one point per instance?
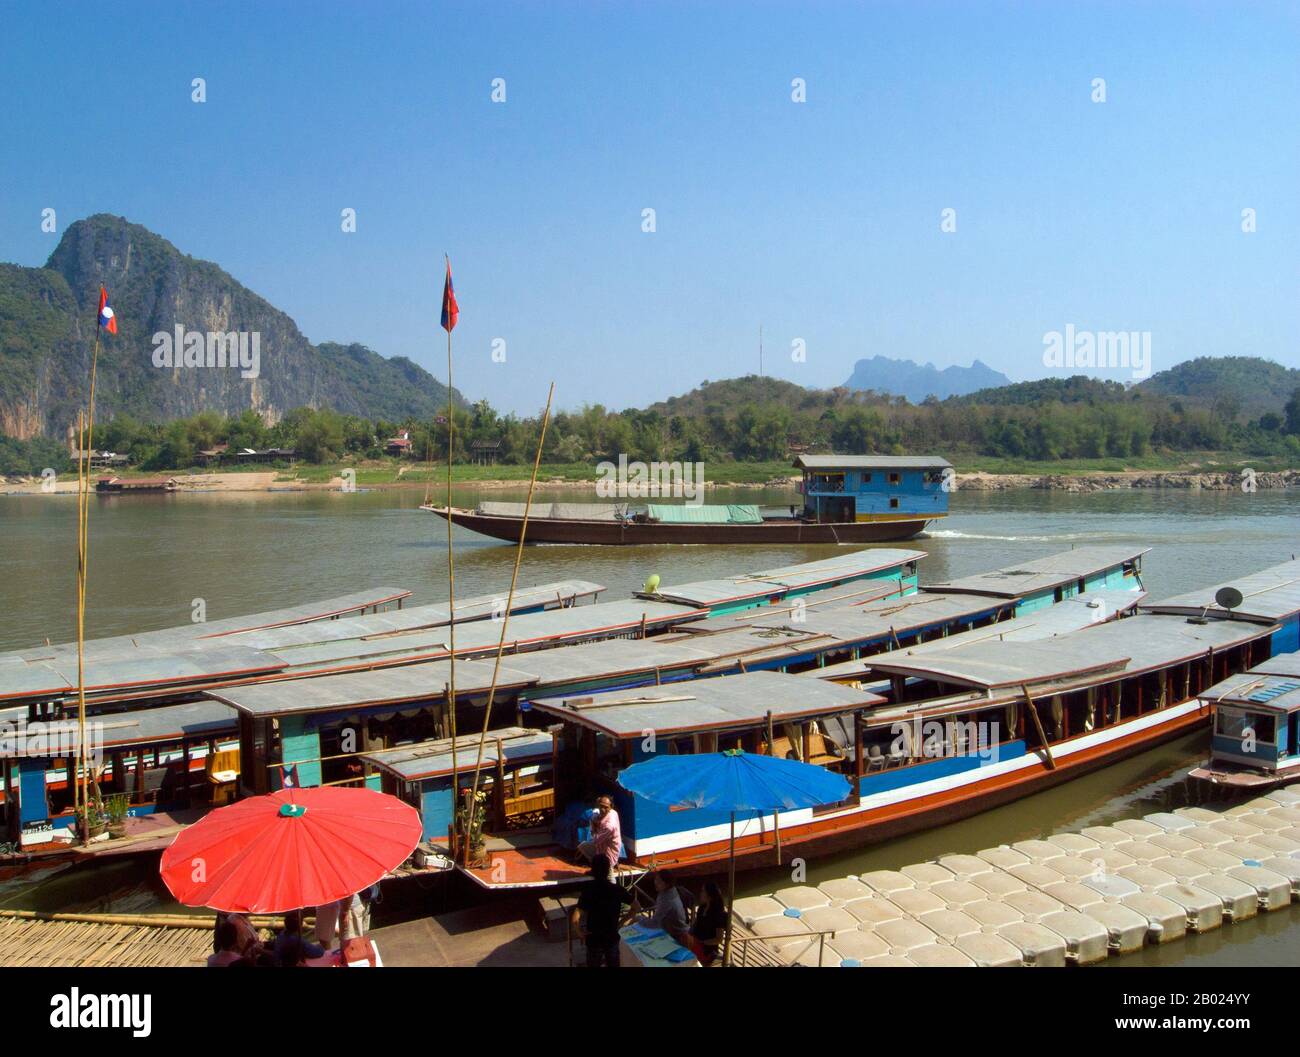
(893, 504)
(895, 477)
(1236, 724)
(826, 482)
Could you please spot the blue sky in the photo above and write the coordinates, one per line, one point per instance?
(820, 220)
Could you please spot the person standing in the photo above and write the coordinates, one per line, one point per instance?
(602, 901)
(606, 835)
(354, 918)
(327, 923)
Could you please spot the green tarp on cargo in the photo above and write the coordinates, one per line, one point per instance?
(736, 514)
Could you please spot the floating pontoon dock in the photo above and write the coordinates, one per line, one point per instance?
(1072, 898)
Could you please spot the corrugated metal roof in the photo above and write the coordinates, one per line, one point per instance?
(1065, 616)
(1270, 594)
(1041, 574)
(196, 719)
(169, 640)
(803, 576)
(875, 619)
(384, 686)
(1132, 645)
(526, 632)
(399, 621)
(53, 678)
(1273, 684)
(707, 704)
(429, 759)
(871, 462)
(611, 657)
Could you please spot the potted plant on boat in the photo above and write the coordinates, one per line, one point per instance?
(91, 822)
(116, 810)
(470, 836)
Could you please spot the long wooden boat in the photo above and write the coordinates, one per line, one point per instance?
(961, 730)
(644, 530)
(846, 499)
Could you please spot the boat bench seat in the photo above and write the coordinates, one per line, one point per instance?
(819, 750)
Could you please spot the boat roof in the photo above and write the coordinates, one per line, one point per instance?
(431, 759)
(871, 462)
(377, 688)
(707, 704)
(195, 719)
(1070, 614)
(874, 619)
(1269, 594)
(804, 576)
(143, 670)
(415, 618)
(1042, 574)
(1272, 686)
(170, 639)
(526, 632)
(1132, 645)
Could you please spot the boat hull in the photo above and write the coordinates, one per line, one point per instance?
(862, 827)
(638, 533)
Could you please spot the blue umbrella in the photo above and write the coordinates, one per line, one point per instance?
(733, 781)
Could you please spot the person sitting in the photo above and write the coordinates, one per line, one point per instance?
(291, 953)
(606, 834)
(669, 914)
(293, 930)
(708, 930)
(602, 902)
(227, 952)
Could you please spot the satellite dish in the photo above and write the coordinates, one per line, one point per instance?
(651, 585)
(1228, 597)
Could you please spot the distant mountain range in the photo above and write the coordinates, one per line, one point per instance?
(47, 327)
(917, 381)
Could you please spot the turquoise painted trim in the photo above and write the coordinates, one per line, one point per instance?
(300, 744)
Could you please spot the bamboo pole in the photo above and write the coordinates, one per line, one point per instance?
(1038, 726)
(82, 778)
(510, 600)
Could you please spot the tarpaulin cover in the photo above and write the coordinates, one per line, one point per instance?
(736, 514)
(733, 781)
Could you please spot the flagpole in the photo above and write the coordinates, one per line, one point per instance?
(83, 564)
(451, 573)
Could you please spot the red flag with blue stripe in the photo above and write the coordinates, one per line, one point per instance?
(450, 310)
(107, 318)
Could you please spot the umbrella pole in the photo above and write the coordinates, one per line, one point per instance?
(731, 892)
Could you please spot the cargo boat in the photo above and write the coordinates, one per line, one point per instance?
(847, 499)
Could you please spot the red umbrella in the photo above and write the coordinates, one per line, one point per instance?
(290, 849)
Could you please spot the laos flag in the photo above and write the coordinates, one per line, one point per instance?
(107, 319)
(450, 310)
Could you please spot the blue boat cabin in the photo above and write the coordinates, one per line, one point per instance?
(848, 488)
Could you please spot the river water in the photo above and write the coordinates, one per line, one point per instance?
(152, 557)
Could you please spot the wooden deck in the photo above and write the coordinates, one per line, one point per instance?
(528, 860)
